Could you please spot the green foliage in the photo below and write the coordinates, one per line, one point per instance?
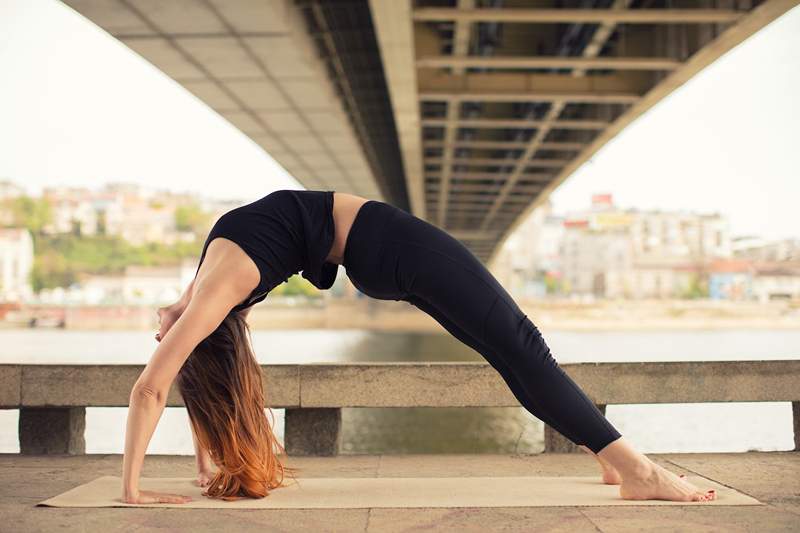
(552, 284)
(296, 286)
(697, 288)
(191, 218)
(51, 270)
(61, 259)
(27, 212)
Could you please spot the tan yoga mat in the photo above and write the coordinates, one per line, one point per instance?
(403, 492)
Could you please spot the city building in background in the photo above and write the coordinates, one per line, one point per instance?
(530, 260)
(758, 249)
(137, 214)
(16, 263)
(130, 216)
(608, 252)
(602, 251)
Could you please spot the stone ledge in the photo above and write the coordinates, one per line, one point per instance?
(433, 384)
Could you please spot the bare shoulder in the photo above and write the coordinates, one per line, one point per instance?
(347, 197)
(227, 266)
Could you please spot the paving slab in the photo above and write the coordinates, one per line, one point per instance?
(773, 478)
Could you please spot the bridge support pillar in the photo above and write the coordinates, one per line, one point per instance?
(554, 442)
(52, 430)
(313, 431)
(796, 423)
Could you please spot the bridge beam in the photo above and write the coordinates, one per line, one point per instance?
(504, 145)
(461, 34)
(590, 52)
(592, 16)
(498, 95)
(520, 123)
(508, 82)
(731, 36)
(528, 62)
(395, 36)
(536, 163)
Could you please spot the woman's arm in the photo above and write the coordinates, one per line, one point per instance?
(204, 312)
(205, 466)
(186, 297)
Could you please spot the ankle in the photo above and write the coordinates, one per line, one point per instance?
(640, 470)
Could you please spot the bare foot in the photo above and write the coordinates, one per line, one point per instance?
(610, 474)
(654, 482)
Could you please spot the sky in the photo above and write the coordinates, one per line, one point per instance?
(78, 108)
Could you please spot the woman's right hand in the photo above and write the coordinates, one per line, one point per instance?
(204, 477)
(149, 496)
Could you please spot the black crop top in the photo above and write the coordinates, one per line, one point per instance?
(284, 232)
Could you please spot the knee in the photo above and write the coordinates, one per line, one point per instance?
(533, 344)
(520, 343)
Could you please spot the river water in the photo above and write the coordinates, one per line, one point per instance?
(652, 428)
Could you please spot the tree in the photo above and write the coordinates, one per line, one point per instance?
(31, 213)
(62, 259)
(191, 218)
(296, 286)
(697, 288)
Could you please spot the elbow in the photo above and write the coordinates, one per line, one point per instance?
(146, 393)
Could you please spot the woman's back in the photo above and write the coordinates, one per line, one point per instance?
(284, 232)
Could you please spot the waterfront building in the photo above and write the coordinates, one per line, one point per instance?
(531, 254)
(610, 252)
(731, 279)
(16, 264)
(776, 281)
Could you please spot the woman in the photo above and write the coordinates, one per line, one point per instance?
(388, 254)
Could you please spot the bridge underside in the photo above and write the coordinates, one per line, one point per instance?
(468, 113)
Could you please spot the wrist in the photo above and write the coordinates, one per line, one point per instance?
(180, 306)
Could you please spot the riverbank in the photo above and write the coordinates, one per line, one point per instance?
(382, 315)
(553, 315)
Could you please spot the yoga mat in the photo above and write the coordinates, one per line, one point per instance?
(403, 492)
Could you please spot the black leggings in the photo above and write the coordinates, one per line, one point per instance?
(393, 255)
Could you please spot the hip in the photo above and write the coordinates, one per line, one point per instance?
(388, 248)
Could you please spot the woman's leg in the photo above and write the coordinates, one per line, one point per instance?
(511, 380)
(609, 473)
(438, 269)
(428, 263)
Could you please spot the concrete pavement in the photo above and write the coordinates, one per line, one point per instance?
(773, 478)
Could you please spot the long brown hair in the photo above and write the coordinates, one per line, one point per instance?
(221, 386)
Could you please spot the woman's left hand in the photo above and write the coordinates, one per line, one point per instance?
(149, 496)
(204, 477)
